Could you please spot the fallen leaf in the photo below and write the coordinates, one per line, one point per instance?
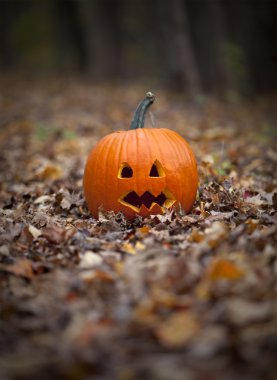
(35, 232)
(254, 200)
(177, 330)
(50, 172)
(144, 314)
(139, 246)
(208, 160)
(222, 269)
(144, 229)
(209, 341)
(241, 312)
(22, 268)
(89, 276)
(43, 199)
(216, 234)
(91, 330)
(54, 234)
(90, 260)
(195, 236)
(127, 247)
(25, 237)
(4, 250)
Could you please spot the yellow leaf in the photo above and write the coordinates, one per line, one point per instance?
(144, 229)
(51, 172)
(127, 247)
(252, 225)
(139, 246)
(195, 236)
(202, 291)
(224, 269)
(144, 314)
(177, 330)
(119, 268)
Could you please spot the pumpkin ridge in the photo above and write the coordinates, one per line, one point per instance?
(93, 168)
(109, 153)
(117, 160)
(176, 153)
(187, 156)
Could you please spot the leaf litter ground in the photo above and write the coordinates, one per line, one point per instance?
(170, 297)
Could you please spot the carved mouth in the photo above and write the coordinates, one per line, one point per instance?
(165, 200)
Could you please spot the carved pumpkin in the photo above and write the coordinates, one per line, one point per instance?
(141, 171)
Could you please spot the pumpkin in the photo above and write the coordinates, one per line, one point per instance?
(141, 171)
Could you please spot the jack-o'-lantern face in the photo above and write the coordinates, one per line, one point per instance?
(141, 172)
(135, 201)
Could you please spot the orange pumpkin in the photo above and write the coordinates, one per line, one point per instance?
(141, 171)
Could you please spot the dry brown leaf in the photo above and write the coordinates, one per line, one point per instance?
(177, 330)
(21, 268)
(91, 330)
(241, 311)
(255, 200)
(54, 234)
(25, 237)
(252, 225)
(210, 340)
(213, 269)
(144, 314)
(216, 233)
(89, 276)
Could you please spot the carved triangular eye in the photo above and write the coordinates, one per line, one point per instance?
(125, 171)
(156, 170)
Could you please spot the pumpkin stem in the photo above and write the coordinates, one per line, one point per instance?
(138, 120)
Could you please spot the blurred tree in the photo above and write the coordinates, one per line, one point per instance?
(103, 37)
(70, 34)
(181, 68)
(219, 46)
(210, 36)
(6, 18)
(255, 33)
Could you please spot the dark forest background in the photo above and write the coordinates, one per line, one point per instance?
(220, 47)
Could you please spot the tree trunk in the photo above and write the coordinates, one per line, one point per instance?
(69, 35)
(177, 50)
(103, 37)
(7, 58)
(256, 36)
(210, 38)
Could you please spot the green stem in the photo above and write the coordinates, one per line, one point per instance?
(138, 120)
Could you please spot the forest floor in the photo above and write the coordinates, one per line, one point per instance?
(173, 297)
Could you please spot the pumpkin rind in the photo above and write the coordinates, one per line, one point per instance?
(140, 149)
